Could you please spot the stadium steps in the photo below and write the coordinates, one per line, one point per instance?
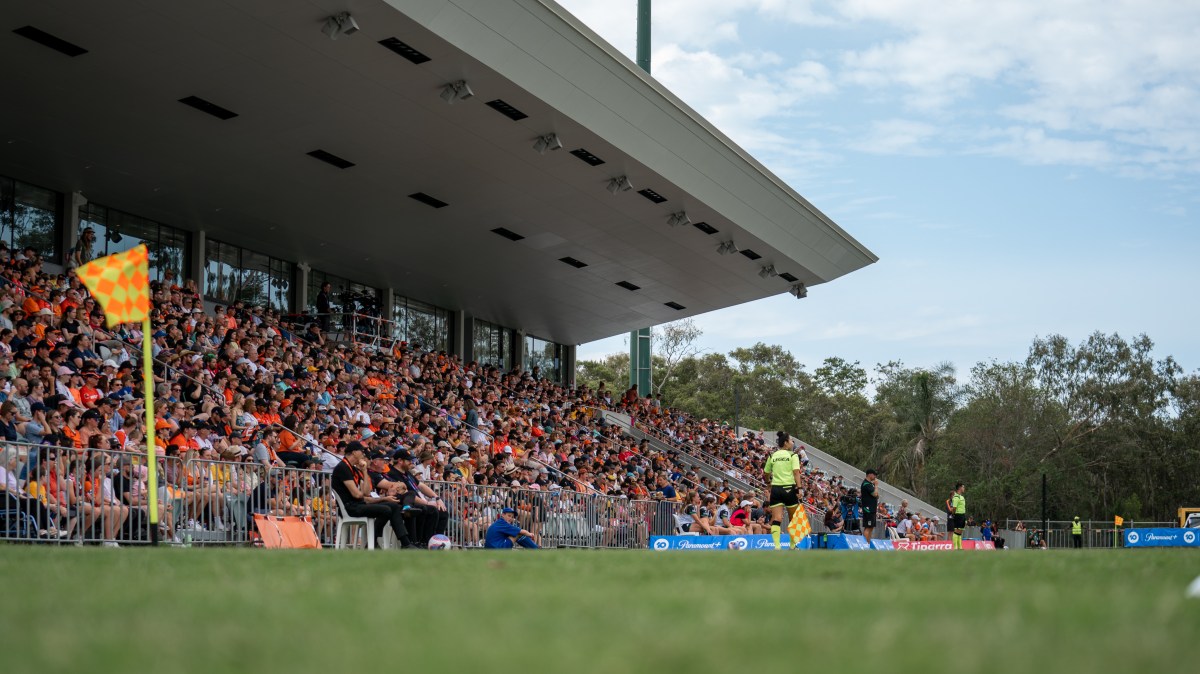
(853, 477)
(690, 456)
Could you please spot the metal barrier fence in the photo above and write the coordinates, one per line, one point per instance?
(216, 500)
(1096, 533)
(558, 518)
(65, 495)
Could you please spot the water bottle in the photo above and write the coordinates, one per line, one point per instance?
(187, 540)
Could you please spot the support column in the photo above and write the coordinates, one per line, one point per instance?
(520, 362)
(465, 330)
(301, 294)
(568, 366)
(458, 335)
(639, 360)
(70, 223)
(639, 340)
(385, 304)
(195, 263)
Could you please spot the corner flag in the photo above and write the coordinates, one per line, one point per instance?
(120, 283)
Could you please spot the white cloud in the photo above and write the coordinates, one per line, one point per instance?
(897, 136)
(1034, 146)
(1123, 69)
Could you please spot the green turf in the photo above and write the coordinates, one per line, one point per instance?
(224, 610)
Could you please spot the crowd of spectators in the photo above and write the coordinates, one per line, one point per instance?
(241, 390)
(249, 390)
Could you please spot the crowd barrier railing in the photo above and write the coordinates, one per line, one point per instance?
(68, 495)
(557, 518)
(65, 495)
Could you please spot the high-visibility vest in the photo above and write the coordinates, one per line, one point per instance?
(1076, 527)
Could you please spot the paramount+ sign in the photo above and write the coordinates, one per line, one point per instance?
(1162, 538)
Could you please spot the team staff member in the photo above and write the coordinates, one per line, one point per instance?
(958, 513)
(783, 471)
(870, 501)
(352, 483)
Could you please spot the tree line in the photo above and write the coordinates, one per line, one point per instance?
(1115, 431)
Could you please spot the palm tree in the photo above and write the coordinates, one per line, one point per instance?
(922, 402)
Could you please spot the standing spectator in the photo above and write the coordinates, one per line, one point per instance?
(870, 502)
(1076, 533)
(325, 305)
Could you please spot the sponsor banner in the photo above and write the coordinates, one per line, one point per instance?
(967, 544)
(747, 542)
(882, 545)
(845, 542)
(1162, 538)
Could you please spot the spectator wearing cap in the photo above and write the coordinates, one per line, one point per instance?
(504, 534)
(430, 516)
(352, 484)
(90, 428)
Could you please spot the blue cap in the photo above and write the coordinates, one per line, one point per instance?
(508, 511)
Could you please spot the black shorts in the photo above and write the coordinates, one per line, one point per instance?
(868, 518)
(784, 496)
(958, 521)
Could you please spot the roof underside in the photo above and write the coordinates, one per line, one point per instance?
(109, 123)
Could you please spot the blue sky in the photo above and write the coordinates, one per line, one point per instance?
(1021, 168)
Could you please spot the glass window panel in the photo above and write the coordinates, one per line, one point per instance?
(33, 219)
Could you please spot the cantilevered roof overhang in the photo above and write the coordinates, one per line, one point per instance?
(109, 123)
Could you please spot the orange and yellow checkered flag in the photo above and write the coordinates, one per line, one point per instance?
(121, 284)
(798, 526)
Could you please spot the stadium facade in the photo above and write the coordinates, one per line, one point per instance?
(414, 163)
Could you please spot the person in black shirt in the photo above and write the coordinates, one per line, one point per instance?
(870, 502)
(430, 516)
(324, 305)
(353, 485)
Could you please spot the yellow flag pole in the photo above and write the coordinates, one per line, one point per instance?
(151, 454)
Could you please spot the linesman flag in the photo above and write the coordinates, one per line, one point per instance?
(798, 526)
(121, 285)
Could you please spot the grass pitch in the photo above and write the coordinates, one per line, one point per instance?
(235, 610)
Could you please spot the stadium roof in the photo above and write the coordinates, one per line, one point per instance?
(110, 123)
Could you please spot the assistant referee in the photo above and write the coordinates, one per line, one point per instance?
(958, 514)
(783, 472)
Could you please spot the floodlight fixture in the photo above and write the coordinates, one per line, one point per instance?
(727, 248)
(548, 142)
(619, 184)
(456, 91)
(767, 271)
(339, 25)
(798, 291)
(677, 219)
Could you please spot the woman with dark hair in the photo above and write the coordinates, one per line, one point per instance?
(784, 472)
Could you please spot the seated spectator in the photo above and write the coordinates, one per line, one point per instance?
(833, 518)
(353, 485)
(504, 534)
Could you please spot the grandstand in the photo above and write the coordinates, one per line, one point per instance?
(481, 186)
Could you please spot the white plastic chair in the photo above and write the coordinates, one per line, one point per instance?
(679, 530)
(346, 524)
